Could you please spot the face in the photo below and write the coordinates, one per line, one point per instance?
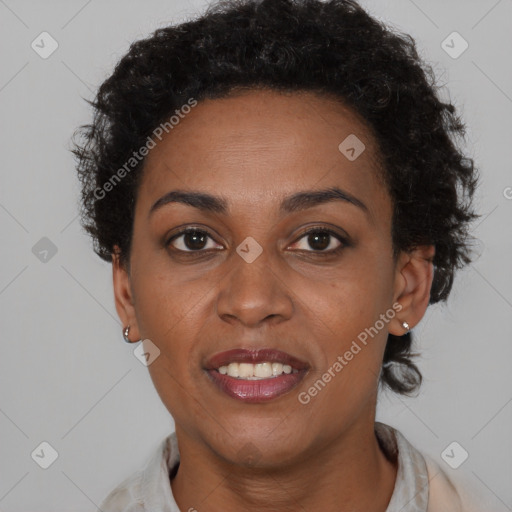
(263, 271)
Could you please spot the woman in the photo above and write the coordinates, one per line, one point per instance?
(281, 195)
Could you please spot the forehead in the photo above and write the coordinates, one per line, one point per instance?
(261, 144)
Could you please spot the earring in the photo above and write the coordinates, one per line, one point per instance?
(405, 325)
(125, 334)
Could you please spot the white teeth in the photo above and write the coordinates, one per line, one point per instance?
(256, 371)
(232, 370)
(263, 370)
(244, 370)
(277, 368)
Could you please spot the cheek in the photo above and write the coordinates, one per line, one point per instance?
(169, 314)
(349, 308)
(354, 336)
(345, 382)
(164, 302)
(354, 298)
(179, 393)
(175, 314)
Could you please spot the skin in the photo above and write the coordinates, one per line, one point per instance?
(254, 149)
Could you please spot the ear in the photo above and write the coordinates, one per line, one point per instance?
(413, 281)
(124, 296)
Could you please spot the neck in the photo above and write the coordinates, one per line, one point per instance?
(349, 474)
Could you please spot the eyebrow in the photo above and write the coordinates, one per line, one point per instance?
(296, 202)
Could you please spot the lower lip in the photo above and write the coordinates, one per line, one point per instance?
(261, 390)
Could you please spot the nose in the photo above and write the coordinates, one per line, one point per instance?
(252, 293)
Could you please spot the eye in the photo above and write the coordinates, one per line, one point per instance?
(191, 240)
(322, 240)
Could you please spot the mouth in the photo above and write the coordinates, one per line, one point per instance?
(255, 375)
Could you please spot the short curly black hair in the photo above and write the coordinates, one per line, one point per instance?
(331, 47)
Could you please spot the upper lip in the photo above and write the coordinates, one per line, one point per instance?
(242, 355)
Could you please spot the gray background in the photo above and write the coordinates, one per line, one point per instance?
(66, 376)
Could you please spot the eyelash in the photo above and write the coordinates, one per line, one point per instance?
(344, 242)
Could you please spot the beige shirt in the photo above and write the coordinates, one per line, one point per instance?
(421, 485)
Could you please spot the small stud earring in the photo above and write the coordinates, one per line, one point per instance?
(405, 325)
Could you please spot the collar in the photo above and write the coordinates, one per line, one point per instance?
(150, 489)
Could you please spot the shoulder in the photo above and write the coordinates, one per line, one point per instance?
(126, 497)
(455, 489)
(422, 481)
(148, 489)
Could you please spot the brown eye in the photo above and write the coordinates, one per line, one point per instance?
(321, 241)
(191, 240)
